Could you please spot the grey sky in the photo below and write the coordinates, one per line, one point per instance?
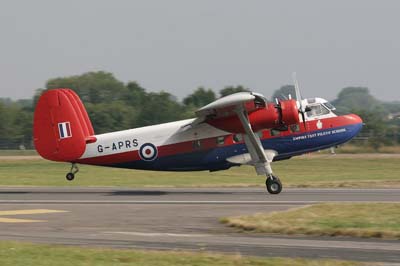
(180, 45)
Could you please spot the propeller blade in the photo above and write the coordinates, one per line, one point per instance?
(299, 99)
(297, 91)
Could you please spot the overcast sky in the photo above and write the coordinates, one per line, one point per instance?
(179, 45)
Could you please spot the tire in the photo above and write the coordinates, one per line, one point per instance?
(70, 176)
(274, 185)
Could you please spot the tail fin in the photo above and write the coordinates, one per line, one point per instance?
(61, 126)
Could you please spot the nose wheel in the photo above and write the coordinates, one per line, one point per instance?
(71, 174)
(273, 184)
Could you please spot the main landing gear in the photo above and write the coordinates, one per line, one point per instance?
(260, 158)
(273, 184)
(71, 174)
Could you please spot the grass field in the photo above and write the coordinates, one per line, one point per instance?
(380, 220)
(353, 149)
(17, 152)
(18, 254)
(375, 171)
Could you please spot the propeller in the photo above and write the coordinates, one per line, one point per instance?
(302, 108)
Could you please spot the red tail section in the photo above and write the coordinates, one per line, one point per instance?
(61, 126)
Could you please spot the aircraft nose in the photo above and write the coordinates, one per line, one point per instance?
(356, 123)
(355, 119)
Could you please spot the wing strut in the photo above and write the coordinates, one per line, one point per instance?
(253, 144)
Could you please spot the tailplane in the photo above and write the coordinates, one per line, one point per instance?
(61, 126)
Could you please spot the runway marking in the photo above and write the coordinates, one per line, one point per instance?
(157, 234)
(9, 220)
(25, 212)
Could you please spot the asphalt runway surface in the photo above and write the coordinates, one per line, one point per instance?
(181, 219)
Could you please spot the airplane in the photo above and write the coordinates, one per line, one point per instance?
(238, 129)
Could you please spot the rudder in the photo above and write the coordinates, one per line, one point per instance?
(61, 126)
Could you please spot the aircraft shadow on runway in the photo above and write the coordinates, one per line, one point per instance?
(160, 193)
(124, 192)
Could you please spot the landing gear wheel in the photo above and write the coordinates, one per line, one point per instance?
(70, 176)
(274, 185)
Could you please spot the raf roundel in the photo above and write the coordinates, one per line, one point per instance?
(148, 152)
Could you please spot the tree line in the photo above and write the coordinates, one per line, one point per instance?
(113, 105)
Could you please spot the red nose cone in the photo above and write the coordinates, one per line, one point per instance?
(355, 119)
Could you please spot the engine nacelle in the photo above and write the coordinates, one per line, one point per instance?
(289, 112)
(271, 116)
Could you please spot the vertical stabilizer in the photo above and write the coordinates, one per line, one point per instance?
(61, 126)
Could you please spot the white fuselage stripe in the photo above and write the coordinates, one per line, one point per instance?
(159, 135)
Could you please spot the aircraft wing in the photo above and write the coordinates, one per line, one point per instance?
(240, 105)
(227, 105)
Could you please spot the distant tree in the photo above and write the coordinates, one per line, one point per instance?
(392, 107)
(200, 97)
(283, 93)
(4, 121)
(112, 116)
(357, 98)
(231, 90)
(36, 96)
(92, 87)
(15, 126)
(375, 127)
(135, 94)
(160, 108)
(24, 123)
(25, 104)
(6, 101)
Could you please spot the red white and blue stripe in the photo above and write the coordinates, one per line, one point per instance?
(64, 130)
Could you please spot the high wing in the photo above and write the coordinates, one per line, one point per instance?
(247, 113)
(227, 105)
(239, 105)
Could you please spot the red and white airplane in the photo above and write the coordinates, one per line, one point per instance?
(241, 128)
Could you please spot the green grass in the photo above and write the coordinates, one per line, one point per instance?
(332, 219)
(306, 171)
(17, 254)
(17, 152)
(353, 149)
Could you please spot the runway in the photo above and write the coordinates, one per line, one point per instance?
(188, 219)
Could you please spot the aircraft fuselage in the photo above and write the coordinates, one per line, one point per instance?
(171, 147)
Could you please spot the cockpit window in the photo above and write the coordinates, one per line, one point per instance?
(316, 110)
(330, 106)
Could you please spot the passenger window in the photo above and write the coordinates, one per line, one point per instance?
(294, 128)
(196, 144)
(237, 138)
(316, 110)
(221, 140)
(260, 134)
(275, 132)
